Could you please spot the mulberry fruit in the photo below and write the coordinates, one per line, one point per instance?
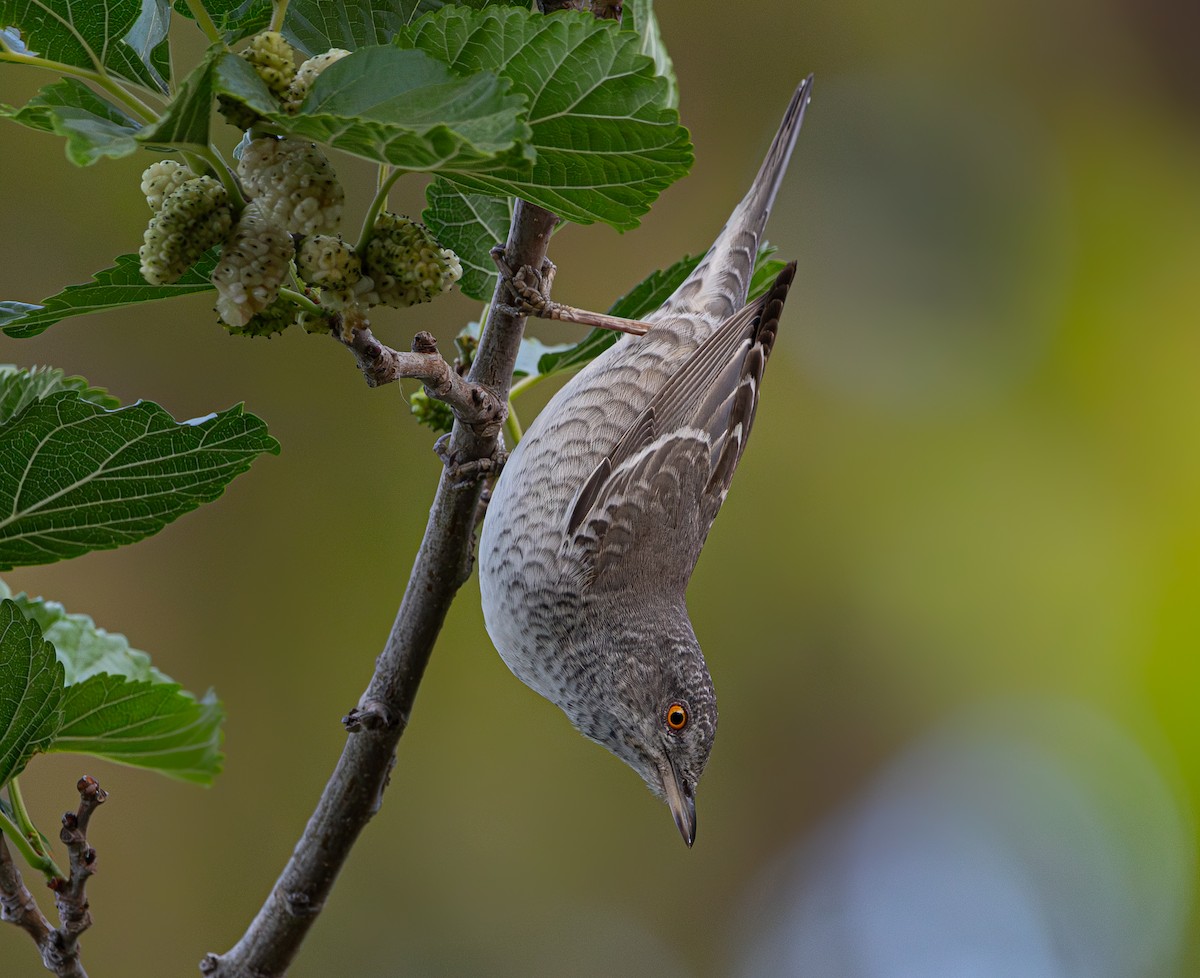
(406, 262)
(277, 317)
(162, 178)
(328, 262)
(294, 184)
(273, 59)
(254, 263)
(306, 74)
(192, 218)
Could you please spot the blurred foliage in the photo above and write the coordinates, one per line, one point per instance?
(973, 476)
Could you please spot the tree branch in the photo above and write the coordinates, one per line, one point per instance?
(354, 791)
(59, 947)
(17, 905)
(475, 405)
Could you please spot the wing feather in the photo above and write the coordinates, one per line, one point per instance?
(644, 512)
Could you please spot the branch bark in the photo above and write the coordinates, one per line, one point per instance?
(479, 407)
(443, 563)
(58, 947)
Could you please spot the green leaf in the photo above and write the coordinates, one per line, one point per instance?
(646, 24)
(20, 388)
(31, 691)
(145, 724)
(113, 288)
(399, 107)
(75, 477)
(92, 126)
(643, 299)
(186, 120)
(118, 706)
(607, 141)
(235, 19)
(84, 649)
(315, 26)
(118, 37)
(470, 225)
(148, 39)
(765, 272)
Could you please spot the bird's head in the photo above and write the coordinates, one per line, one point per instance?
(654, 707)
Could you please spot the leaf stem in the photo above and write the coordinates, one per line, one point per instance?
(380, 201)
(43, 864)
(526, 382)
(135, 105)
(218, 165)
(303, 301)
(279, 13)
(205, 22)
(24, 822)
(512, 427)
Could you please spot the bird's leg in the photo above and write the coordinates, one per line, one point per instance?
(463, 474)
(532, 291)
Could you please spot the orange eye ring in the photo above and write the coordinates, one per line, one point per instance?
(677, 716)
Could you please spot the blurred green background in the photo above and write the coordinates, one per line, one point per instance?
(952, 606)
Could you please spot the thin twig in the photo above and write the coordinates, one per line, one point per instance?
(71, 897)
(473, 404)
(17, 905)
(58, 947)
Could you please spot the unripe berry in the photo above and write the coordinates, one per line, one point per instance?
(328, 262)
(254, 264)
(306, 74)
(293, 183)
(407, 263)
(273, 59)
(192, 218)
(277, 317)
(161, 178)
(356, 298)
(431, 412)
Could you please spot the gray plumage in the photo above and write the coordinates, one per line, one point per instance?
(598, 519)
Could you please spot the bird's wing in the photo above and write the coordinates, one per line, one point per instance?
(643, 514)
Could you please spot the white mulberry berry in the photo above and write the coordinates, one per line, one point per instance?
(273, 59)
(277, 317)
(328, 262)
(359, 296)
(294, 184)
(254, 264)
(193, 218)
(306, 74)
(407, 263)
(161, 178)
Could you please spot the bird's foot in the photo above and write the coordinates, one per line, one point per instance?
(370, 715)
(463, 474)
(530, 289)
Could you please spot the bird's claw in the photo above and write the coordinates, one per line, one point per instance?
(464, 474)
(529, 286)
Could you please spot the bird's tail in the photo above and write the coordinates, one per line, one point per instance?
(721, 282)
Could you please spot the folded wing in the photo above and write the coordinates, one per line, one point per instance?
(643, 514)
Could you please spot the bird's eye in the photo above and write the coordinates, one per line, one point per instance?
(676, 716)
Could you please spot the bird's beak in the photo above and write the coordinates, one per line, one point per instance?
(681, 801)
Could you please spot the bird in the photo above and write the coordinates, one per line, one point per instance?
(599, 514)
